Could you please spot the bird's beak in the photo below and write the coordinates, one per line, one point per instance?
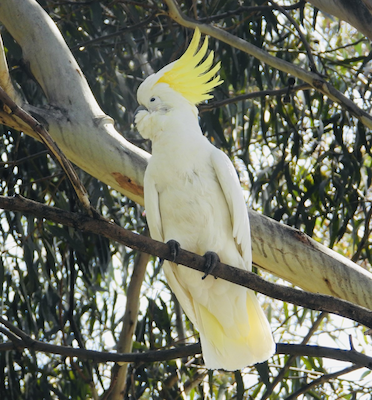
(139, 108)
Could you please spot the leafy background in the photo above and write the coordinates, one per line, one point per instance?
(302, 160)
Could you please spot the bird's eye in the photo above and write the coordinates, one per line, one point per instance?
(152, 99)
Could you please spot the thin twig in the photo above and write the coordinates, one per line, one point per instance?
(366, 236)
(320, 381)
(247, 9)
(290, 360)
(262, 93)
(299, 31)
(119, 32)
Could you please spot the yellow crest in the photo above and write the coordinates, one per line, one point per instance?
(189, 76)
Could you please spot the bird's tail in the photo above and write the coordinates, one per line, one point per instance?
(243, 345)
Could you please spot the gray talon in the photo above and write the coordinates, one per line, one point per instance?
(211, 260)
(174, 249)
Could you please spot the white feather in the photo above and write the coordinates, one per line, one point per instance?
(193, 196)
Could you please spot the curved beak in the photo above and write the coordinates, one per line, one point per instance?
(139, 108)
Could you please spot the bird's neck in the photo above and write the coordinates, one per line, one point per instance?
(182, 133)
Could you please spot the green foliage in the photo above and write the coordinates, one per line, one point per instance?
(306, 163)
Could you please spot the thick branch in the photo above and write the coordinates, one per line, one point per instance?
(296, 257)
(5, 80)
(73, 118)
(250, 280)
(44, 136)
(50, 60)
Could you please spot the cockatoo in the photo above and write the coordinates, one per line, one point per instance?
(193, 196)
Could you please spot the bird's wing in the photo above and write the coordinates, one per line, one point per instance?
(152, 208)
(154, 222)
(229, 182)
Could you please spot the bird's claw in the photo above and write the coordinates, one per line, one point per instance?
(211, 260)
(174, 249)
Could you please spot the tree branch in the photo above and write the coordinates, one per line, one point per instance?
(52, 146)
(95, 356)
(300, 33)
(320, 381)
(20, 341)
(75, 121)
(108, 229)
(355, 12)
(316, 81)
(292, 358)
(5, 80)
(124, 345)
(263, 93)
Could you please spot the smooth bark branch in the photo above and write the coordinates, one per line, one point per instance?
(297, 258)
(316, 81)
(101, 226)
(84, 133)
(5, 80)
(51, 145)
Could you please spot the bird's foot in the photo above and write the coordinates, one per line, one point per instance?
(174, 249)
(211, 260)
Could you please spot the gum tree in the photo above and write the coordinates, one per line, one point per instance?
(294, 116)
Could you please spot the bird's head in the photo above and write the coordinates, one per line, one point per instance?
(176, 89)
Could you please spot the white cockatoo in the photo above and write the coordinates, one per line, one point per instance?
(193, 196)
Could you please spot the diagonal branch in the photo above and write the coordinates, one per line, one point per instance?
(51, 145)
(85, 134)
(300, 33)
(315, 80)
(320, 381)
(108, 229)
(292, 358)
